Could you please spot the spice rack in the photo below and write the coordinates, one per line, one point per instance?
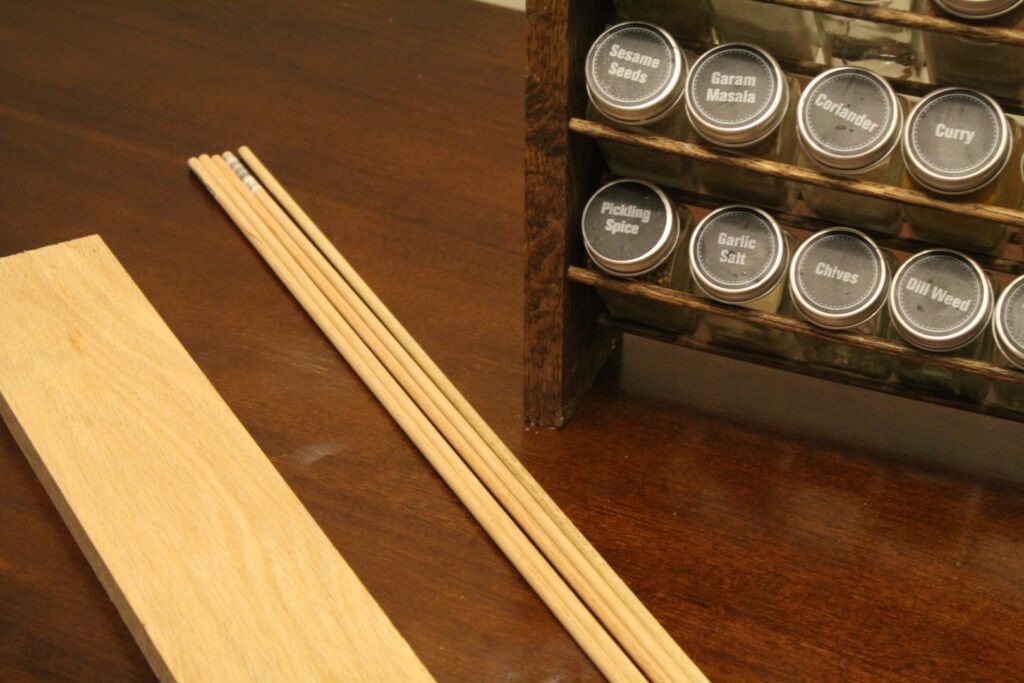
(569, 337)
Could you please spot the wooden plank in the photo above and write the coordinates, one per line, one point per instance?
(219, 571)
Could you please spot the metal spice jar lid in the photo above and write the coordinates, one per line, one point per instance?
(635, 72)
(978, 9)
(956, 141)
(738, 254)
(1008, 322)
(849, 119)
(736, 94)
(940, 300)
(839, 278)
(629, 227)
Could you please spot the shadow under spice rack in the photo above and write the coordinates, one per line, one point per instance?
(568, 334)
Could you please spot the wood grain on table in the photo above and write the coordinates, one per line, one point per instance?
(839, 543)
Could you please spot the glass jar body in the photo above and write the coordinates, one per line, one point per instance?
(851, 360)
(690, 20)
(784, 32)
(975, 234)
(994, 68)
(741, 185)
(674, 273)
(888, 50)
(743, 335)
(947, 381)
(660, 168)
(846, 208)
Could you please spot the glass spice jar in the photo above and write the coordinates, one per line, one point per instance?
(958, 143)
(788, 32)
(839, 280)
(1008, 332)
(737, 97)
(631, 229)
(849, 122)
(994, 68)
(739, 255)
(941, 301)
(635, 75)
(690, 20)
(886, 49)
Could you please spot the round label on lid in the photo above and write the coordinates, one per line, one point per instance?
(849, 118)
(940, 300)
(734, 94)
(838, 278)
(737, 253)
(1009, 321)
(634, 72)
(956, 141)
(629, 227)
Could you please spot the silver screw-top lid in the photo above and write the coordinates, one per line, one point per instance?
(736, 94)
(940, 300)
(738, 254)
(635, 72)
(849, 119)
(978, 9)
(956, 140)
(839, 278)
(629, 227)
(1008, 322)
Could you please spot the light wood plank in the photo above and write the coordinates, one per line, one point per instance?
(219, 571)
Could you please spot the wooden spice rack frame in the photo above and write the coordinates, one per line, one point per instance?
(568, 335)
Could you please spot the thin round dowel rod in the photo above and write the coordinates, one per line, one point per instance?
(620, 621)
(465, 408)
(545, 581)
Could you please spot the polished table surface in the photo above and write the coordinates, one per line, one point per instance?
(781, 528)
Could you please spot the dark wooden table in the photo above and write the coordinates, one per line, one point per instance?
(782, 528)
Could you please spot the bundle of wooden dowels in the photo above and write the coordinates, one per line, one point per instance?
(610, 624)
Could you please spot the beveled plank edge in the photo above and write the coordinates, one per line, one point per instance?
(795, 173)
(913, 20)
(791, 325)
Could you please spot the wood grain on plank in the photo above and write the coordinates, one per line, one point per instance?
(216, 567)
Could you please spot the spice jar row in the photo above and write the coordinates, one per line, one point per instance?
(955, 143)
(890, 50)
(938, 300)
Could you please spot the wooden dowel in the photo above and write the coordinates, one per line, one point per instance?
(581, 624)
(588, 572)
(624, 624)
(798, 174)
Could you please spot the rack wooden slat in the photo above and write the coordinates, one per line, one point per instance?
(903, 86)
(805, 223)
(784, 323)
(689, 342)
(796, 174)
(914, 20)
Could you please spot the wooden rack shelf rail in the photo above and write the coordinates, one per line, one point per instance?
(914, 20)
(902, 86)
(796, 174)
(793, 326)
(809, 224)
(802, 368)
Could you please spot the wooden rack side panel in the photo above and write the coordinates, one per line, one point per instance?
(564, 346)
